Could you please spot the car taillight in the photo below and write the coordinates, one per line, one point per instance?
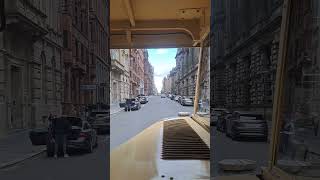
(83, 134)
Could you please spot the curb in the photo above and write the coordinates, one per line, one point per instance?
(20, 160)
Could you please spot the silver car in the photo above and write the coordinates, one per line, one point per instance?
(187, 102)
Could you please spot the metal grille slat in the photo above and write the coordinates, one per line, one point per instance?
(180, 141)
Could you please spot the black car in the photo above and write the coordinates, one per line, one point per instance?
(247, 125)
(100, 121)
(172, 97)
(82, 136)
(133, 105)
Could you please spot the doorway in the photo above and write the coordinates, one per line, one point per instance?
(16, 121)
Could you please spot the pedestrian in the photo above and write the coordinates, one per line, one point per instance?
(50, 129)
(61, 127)
(128, 104)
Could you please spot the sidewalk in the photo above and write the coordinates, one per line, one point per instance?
(115, 108)
(16, 148)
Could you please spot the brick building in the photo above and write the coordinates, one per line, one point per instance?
(86, 59)
(136, 72)
(148, 75)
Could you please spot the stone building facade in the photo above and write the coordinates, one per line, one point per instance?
(31, 67)
(85, 55)
(136, 72)
(243, 64)
(119, 79)
(186, 64)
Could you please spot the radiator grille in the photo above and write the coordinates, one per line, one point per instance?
(180, 141)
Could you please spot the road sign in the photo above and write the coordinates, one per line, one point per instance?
(88, 87)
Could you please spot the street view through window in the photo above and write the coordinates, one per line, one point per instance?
(149, 85)
(159, 89)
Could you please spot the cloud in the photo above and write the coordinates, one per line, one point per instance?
(162, 51)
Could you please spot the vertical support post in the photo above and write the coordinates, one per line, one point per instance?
(197, 93)
(278, 98)
(2, 15)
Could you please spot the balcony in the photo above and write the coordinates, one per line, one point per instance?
(26, 16)
(117, 66)
(79, 66)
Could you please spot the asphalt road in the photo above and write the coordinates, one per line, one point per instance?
(125, 125)
(79, 165)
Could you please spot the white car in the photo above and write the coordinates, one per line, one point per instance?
(163, 96)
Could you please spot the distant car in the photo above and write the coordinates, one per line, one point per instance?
(100, 121)
(163, 96)
(247, 125)
(215, 114)
(143, 99)
(187, 102)
(177, 98)
(172, 97)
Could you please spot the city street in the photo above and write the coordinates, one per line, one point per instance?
(125, 125)
(80, 166)
(224, 147)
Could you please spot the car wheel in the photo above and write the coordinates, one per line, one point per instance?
(96, 144)
(90, 147)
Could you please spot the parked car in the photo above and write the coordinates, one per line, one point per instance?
(247, 125)
(222, 119)
(163, 96)
(144, 99)
(176, 98)
(172, 97)
(100, 121)
(187, 102)
(81, 137)
(135, 104)
(216, 114)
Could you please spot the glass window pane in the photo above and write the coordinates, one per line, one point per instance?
(299, 134)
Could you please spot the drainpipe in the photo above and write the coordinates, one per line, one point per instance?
(2, 16)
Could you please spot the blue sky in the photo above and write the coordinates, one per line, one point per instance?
(163, 60)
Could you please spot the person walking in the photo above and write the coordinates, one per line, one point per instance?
(128, 104)
(61, 129)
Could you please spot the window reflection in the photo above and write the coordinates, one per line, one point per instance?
(299, 146)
